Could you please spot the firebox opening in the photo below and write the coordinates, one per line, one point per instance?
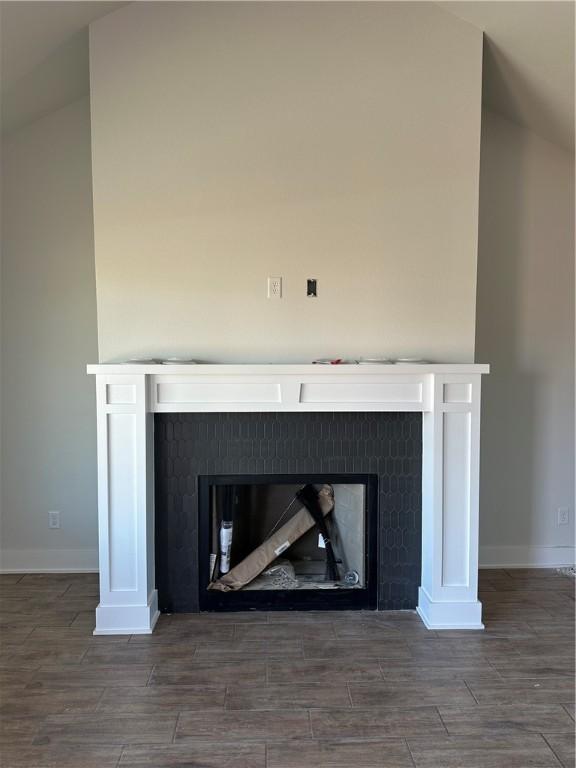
(287, 541)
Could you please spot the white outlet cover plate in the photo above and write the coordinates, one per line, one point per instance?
(274, 287)
(53, 519)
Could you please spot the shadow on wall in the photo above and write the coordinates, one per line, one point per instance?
(508, 90)
(508, 397)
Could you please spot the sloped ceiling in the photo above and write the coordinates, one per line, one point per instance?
(528, 62)
(44, 56)
(528, 59)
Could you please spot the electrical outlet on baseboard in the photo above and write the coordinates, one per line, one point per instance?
(54, 519)
(563, 516)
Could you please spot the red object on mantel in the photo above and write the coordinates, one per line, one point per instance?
(336, 361)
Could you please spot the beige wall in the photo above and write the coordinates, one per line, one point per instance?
(48, 335)
(220, 158)
(526, 331)
(338, 141)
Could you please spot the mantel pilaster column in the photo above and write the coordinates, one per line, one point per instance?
(448, 596)
(128, 599)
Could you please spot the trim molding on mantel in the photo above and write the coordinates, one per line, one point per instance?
(448, 396)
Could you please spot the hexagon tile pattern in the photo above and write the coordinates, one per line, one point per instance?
(191, 444)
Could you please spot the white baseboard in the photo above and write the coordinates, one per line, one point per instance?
(48, 560)
(86, 560)
(526, 556)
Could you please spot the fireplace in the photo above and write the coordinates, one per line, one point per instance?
(148, 521)
(261, 549)
(270, 456)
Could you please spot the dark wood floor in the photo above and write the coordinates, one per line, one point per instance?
(285, 690)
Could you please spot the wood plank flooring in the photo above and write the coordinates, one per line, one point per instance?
(288, 690)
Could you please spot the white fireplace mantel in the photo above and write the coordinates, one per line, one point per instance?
(448, 395)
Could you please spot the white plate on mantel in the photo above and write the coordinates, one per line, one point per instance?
(414, 360)
(179, 361)
(141, 361)
(375, 361)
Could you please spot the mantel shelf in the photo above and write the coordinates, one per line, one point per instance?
(286, 369)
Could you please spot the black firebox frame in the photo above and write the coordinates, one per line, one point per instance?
(301, 599)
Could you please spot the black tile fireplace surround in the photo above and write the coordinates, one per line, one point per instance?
(190, 445)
